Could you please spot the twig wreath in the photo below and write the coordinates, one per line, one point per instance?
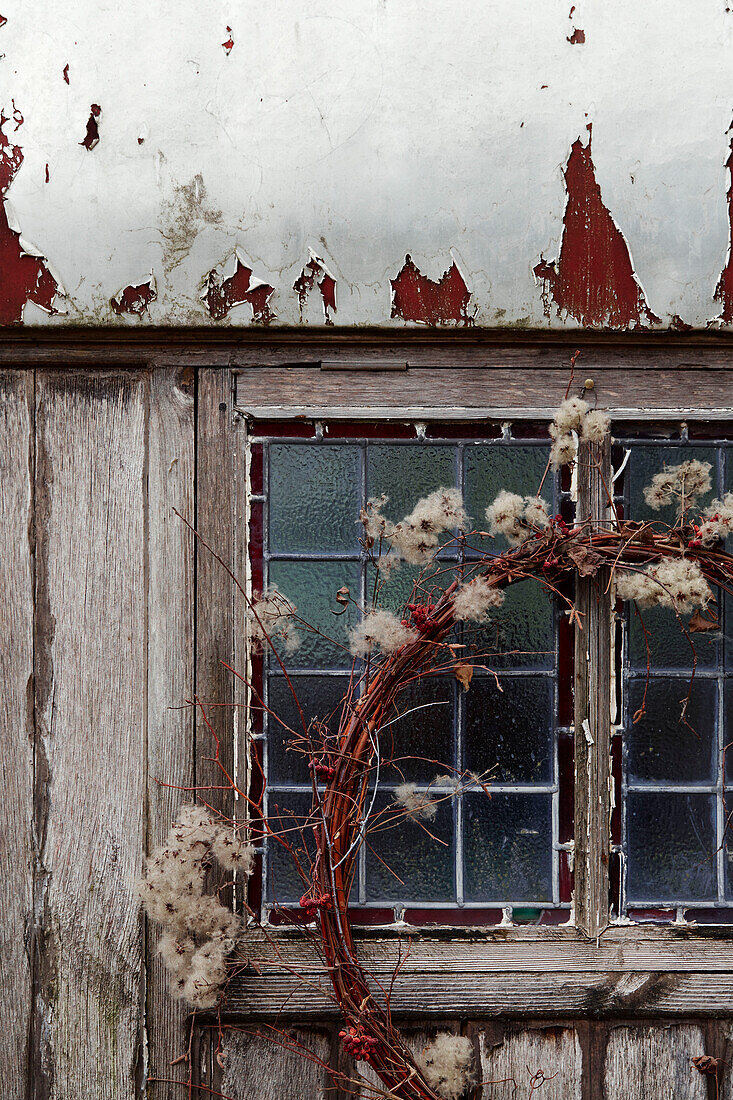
(645, 562)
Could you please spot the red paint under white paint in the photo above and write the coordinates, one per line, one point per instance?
(26, 276)
(223, 291)
(415, 297)
(593, 279)
(316, 274)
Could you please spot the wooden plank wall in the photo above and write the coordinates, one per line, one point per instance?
(98, 621)
(97, 624)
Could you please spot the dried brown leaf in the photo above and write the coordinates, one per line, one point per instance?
(464, 675)
(587, 562)
(699, 624)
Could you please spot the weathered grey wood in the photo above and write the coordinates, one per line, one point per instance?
(16, 725)
(683, 948)
(170, 554)
(90, 706)
(465, 392)
(592, 704)
(430, 995)
(516, 1058)
(416, 1039)
(520, 349)
(215, 490)
(253, 1068)
(646, 1062)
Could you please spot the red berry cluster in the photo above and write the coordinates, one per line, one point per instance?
(311, 904)
(420, 614)
(322, 768)
(550, 563)
(558, 521)
(358, 1044)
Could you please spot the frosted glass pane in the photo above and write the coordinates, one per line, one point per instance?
(491, 469)
(645, 462)
(509, 732)
(668, 646)
(312, 587)
(660, 747)
(407, 473)
(671, 847)
(288, 813)
(520, 633)
(319, 698)
(314, 497)
(422, 862)
(508, 847)
(426, 734)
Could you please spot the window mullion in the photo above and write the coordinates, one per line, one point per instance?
(592, 705)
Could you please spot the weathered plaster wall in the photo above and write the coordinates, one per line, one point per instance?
(359, 134)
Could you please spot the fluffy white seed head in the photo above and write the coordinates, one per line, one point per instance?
(448, 1064)
(516, 517)
(569, 416)
(596, 426)
(562, 451)
(271, 616)
(379, 630)
(417, 804)
(681, 485)
(717, 521)
(473, 600)
(415, 538)
(672, 582)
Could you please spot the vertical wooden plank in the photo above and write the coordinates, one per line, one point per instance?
(250, 1068)
(171, 473)
(518, 1060)
(91, 718)
(645, 1062)
(592, 706)
(215, 509)
(16, 724)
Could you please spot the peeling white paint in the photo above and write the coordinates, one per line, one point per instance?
(372, 131)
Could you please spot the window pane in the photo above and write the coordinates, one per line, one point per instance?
(509, 732)
(425, 736)
(669, 647)
(411, 861)
(314, 497)
(407, 473)
(315, 492)
(287, 815)
(506, 854)
(520, 633)
(312, 587)
(319, 698)
(646, 461)
(491, 469)
(671, 847)
(661, 748)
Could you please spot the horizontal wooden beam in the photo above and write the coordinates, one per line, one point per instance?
(61, 346)
(635, 970)
(460, 393)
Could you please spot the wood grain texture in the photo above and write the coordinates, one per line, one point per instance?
(592, 701)
(170, 554)
(254, 1068)
(519, 348)
(463, 392)
(416, 1039)
(646, 1062)
(215, 494)
(90, 706)
(515, 1059)
(16, 726)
